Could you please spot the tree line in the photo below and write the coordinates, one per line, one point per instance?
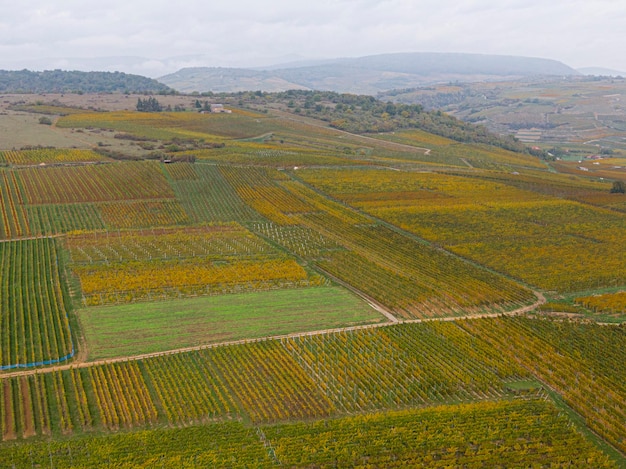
(61, 81)
(367, 114)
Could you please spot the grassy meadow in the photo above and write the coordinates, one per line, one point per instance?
(137, 328)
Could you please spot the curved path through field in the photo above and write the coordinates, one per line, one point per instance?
(540, 300)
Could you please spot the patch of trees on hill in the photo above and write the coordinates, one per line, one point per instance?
(150, 104)
(366, 114)
(430, 97)
(60, 81)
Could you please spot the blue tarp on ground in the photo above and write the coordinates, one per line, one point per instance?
(41, 363)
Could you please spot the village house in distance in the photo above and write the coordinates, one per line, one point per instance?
(217, 108)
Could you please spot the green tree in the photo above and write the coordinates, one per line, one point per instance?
(618, 187)
(150, 104)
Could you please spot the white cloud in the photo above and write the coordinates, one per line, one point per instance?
(239, 32)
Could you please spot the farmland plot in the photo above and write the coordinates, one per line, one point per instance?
(34, 327)
(13, 218)
(52, 155)
(142, 265)
(585, 363)
(106, 182)
(545, 241)
(131, 329)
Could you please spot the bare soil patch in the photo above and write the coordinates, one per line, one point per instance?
(29, 425)
(9, 429)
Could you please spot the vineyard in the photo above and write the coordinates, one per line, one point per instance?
(58, 219)
(142, 214)
(106, 182)
(455, 154)
(410, 277)
(206, 196)
(138, 265)
(212, 242)
(34, 325)
(556, 352)
(336, 374)
(258, 289)
(14, 222)
(43, 156)
(270, 153)
(512, 433)
(418, 369)
(340, 372)
(454, 436)
(609, 303)
(169, 125)
(544, 241)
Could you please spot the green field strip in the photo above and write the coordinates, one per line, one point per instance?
(62, 218)
(134, 329)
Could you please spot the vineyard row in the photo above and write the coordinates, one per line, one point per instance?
(328, 374)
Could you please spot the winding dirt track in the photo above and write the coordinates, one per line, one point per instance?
(540, 300)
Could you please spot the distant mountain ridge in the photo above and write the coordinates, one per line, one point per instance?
(366, 75)
(59, 81)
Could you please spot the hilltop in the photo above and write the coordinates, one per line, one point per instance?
(366, 75)
(60, 81)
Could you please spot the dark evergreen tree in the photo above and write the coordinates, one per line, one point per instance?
(619, 187)
(150, 104)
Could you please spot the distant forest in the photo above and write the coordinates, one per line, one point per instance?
(59, 81)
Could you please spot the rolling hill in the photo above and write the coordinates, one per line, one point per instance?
(366, 75)
(582, 111)
(60, 81)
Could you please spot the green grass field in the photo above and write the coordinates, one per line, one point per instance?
(138, 328)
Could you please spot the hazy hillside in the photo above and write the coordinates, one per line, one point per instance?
(575, 110)
(430, 63)
(59, 81)
(227, 80)
(600, 71)
(366, 75)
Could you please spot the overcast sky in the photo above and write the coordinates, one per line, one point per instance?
(38, 34)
